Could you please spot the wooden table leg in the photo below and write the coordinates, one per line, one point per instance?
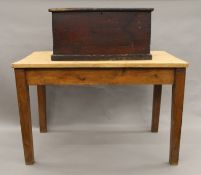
(42, 108)
(176, 116)
(25, 115)
(156, 107)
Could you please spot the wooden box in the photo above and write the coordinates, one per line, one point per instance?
(101, 34)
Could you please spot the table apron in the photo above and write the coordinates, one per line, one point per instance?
(102, 76)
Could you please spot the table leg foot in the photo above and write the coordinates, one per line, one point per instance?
(30, 163)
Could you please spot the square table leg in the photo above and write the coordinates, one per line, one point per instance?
(176, 115)
(42, 107)
(25, 115)
(156, 107)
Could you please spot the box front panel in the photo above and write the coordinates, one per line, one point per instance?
(101, 33)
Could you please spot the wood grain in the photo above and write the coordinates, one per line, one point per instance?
(25, 115)
(41, 90)
(98, 9)
(156, 107)
(99, 76)
(176, 115)
(42, 59)
(94, 75)
(101, 34)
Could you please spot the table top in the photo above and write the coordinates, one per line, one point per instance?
(42, 59)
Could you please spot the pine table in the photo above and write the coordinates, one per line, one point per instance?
(38, 69)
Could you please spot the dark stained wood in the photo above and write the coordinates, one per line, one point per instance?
(156, 107)
(59, 57)
(176, 118)
(99, 9)
(93, 76)
(42, 108)
(101, 34)
(25, 115)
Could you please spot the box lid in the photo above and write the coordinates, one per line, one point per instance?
(99, 9)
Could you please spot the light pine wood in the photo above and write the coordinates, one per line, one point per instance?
(42, 59)
(41, 90)
(25, 115)
(94, 76)
(156, 107)
(176, 116)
